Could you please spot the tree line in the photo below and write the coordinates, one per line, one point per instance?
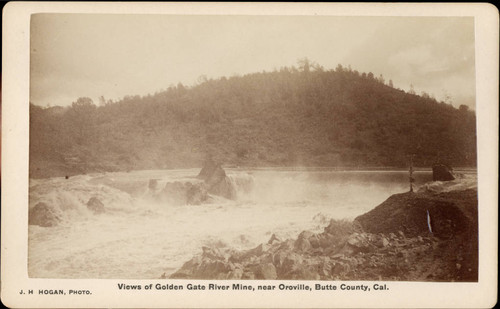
(292, 116)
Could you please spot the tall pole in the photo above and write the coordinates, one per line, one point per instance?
(411, 173)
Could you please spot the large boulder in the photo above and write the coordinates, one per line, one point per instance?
(212, 172)
(175, 193)
(197, 194)
(43, 215)
(298, 267)
(182, 193)
(95, 205)
(441, 172)
(265, 271)
(224, 187)
(218, 183)
(211, 264)
(303, 242)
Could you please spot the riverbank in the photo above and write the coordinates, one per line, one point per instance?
(430, 235)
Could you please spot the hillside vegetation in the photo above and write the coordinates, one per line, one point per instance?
(304, 116)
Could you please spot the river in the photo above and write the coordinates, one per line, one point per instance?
(139, 236)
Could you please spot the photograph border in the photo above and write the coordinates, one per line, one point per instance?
(105, 293)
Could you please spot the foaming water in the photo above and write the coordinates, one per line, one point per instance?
(141, 236)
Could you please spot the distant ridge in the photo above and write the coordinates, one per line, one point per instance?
(305, 116)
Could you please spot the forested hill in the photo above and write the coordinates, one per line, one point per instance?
(291, 117)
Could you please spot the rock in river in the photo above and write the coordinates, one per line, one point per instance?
(95, 205)
(43, 215)
(196, 194)
(441, 172)
(218, 183)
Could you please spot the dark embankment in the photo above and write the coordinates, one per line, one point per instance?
(450, 214)
(391, 242)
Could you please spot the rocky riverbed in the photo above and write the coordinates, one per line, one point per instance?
(422, 236)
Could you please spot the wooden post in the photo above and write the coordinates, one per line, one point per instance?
(411, 173)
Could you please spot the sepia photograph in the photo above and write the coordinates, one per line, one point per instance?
(298, 152)
(272, 156)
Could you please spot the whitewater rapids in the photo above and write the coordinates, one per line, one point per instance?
(141, 237)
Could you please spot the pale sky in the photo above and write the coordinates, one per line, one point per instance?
(77, 55)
